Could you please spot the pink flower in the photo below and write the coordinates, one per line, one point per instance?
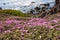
(24, 31)
(1, 22)
(42, 20)
(56, 21)
(45, 23)
(8, 31)
(58, 37)
(51, 27)
(8, 21)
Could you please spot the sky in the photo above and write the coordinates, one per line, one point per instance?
(23, 2)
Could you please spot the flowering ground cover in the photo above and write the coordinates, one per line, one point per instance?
(28, 28)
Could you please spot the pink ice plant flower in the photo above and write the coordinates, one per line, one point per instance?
(1, 22)
(51, 27)
(7, 31)
(9, 21)
(56, 21)
(32, 22)
(24, 31)
(12, 21)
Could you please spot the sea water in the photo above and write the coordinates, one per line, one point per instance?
(23, 5)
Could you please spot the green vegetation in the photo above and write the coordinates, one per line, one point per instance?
(13, 28)
(34, 33)
(20, 14)
(14, 12)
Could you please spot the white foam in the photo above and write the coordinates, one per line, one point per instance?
(14, 4)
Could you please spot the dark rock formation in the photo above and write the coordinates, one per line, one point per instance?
(0, 8)
(57, 2)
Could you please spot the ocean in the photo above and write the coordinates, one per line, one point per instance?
(23, 5)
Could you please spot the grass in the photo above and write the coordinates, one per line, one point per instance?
(14, 12)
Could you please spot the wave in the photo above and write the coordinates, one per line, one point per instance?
(23, 6)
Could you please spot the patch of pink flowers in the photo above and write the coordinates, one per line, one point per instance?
(32, 22)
